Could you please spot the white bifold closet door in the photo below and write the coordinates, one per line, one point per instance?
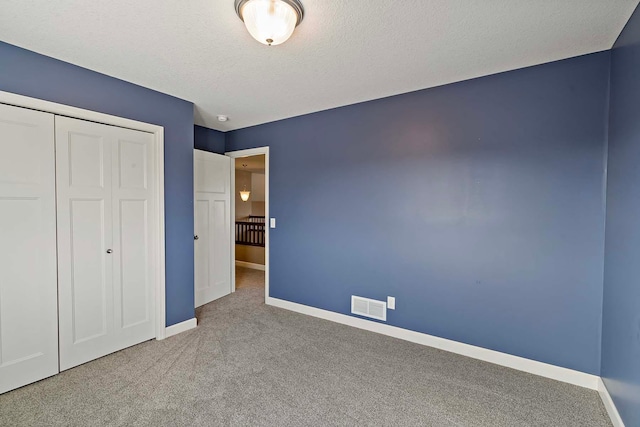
(28, 303)
(212, 223)
(106, 239)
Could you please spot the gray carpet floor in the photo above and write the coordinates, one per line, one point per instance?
(247, 364)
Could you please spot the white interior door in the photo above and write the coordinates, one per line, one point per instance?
(212, 185)
(106, 239)
(28, 301)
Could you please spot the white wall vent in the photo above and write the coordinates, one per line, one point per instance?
(369, 307)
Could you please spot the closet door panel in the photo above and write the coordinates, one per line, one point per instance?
(134, 235)
(28, 307)
(89, 266)
(86, 154)
(107, 238)
(85, 268)
(134, 280)
(18, 219)
(133, 159)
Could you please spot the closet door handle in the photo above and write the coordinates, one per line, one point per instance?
(109, 251)
(195, 237)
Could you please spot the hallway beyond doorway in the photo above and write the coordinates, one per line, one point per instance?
(249, 278)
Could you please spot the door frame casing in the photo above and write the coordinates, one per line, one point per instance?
(248, 153)
(158, 136)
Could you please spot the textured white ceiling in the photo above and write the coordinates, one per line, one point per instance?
(343, 52)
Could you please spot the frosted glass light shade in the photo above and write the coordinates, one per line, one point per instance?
(244, 195)
(271, 22)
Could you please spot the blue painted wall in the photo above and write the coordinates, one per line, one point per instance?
(30, 74)
(478, 205)
(621, 312)
(208, 139)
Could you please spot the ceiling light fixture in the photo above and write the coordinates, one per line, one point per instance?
(244, 194)
(271, 22)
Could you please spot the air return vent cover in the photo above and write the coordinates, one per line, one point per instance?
(369, 307)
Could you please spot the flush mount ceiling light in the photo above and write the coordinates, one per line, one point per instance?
(271, 22)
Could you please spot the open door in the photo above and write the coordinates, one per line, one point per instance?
(212, 236)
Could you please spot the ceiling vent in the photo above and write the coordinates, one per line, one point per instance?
(369, 308)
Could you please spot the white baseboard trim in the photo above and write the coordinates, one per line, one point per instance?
(614, 415)
(180, 327)
(249, 265)
(510, 361)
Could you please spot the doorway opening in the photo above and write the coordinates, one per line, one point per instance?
(250, 213)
